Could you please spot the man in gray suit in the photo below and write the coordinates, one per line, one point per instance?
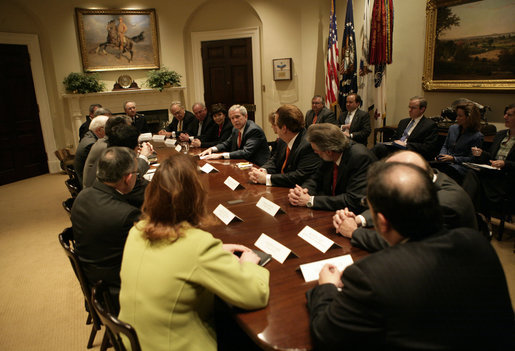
(95, 132)
(354, 122)
(319, 113)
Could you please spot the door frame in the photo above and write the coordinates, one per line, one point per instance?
(198, 79)
(36, 65)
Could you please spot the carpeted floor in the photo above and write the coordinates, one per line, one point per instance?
(41, 304)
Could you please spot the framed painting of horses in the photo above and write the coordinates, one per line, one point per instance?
(116, 40)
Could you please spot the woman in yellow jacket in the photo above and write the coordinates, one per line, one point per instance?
(171, 269)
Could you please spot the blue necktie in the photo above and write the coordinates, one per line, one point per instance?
(405, 134)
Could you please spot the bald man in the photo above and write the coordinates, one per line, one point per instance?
(458, 210)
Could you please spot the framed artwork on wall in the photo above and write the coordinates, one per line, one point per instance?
(282, 68)
(470, 45)
(114, 40)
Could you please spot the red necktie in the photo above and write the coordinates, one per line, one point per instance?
(315, 119)
(285, 159)
(220, 130)
(239, 139)
(335, 177)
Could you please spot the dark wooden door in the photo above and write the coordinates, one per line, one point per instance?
(227, 67)
(22, 151)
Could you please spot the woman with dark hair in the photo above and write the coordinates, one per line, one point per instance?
(171, 269)
(461, 137)
(220, 131)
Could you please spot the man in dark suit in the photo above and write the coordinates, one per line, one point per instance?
(294, 160)
(95, 132)
(354, 122)
(202, 126)
(456, 206)
(416, 133)
(341, 180)
(101, 216)
(247, 140)
(431, 289)
(138, 120)
(182, 121)
(84, 127)
(319, 113)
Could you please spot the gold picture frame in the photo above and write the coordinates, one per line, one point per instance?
(100, 45)
(472, 69)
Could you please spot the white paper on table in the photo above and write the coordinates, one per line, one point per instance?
(207, 168)
(268, 206)
(158, 137)
(278, 251)
(232, 183)
(203, 157)
(479, 165)
(170, 142)
(145, 137)
(149, 176)
(225, 215)
(311, 270)
(316, 239)
(178, 148)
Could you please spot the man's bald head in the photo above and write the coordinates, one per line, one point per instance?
(411, 158)
(406, 197)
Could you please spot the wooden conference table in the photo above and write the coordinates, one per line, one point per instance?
(284, 323)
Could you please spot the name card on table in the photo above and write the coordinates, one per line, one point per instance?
(311, 270)
(316, 239)
(225, 215)
(178, 148)
(233, 183)
(278, 251)
(145, 137)
(170, 142)
(158, 137)
(207, 168)
(268, 206)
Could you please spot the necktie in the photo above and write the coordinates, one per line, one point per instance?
(347, 119)
(405, 134)
(179, 126)
(239, 139)
(335, 177)
(219, 130)
(199, 131)
(315, 119)
(285, 159)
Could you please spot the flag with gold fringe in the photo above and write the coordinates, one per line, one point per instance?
(331, 77)
(348, 64)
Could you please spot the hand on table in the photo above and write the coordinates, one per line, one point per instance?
(206, 152)
(184, 137)
(298, 196)
(345, 222)
(445, 158)
(146, 149)
(196, 143)
(401, 143)
(330, 275)
(258, 175)
(476, 151)
(497, 163)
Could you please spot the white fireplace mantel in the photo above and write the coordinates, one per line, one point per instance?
(145, 99)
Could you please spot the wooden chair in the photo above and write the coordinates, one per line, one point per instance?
(104, 307)
(67, 242)
(385, 134)
(65, 157)
(67, 205)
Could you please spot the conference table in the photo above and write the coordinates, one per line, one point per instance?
(284, 323)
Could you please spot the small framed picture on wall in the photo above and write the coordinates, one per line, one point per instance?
(282, 68)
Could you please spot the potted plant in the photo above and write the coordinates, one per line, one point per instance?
(82, 83)
(163, 78)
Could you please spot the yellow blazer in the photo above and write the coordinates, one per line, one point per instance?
(167, 289)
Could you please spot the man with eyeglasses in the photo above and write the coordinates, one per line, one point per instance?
(182, 121)
(319, 113)
(101, 216)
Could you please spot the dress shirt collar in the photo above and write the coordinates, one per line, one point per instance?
(292, 141)
(339, 160)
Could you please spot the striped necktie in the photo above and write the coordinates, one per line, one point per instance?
(285, 159)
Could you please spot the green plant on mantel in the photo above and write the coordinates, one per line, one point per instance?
(163, 78)
(82, 83)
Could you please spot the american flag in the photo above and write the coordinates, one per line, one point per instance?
(348, 66)
(331, 77)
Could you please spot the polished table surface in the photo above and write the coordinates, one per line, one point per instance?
(284, 323)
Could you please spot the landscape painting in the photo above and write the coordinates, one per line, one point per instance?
(471, 42)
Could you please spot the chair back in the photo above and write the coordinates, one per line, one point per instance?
(73, 187)
(66, 240)
(385, 134)
(68, 204)
(104, 306)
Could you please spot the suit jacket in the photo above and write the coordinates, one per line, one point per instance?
(140, 122)
(302, 162)
(81, 154)
(457, 207)
(494, 148)
(84, 127)
(189, 119)
(101, 219)
(351, 183)
(423, 139)
(254, 146)
(325, 116)
(207, 128)
(460, 146)
(359, 127)
(430, 294)
(212, 138)
(178, 282)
